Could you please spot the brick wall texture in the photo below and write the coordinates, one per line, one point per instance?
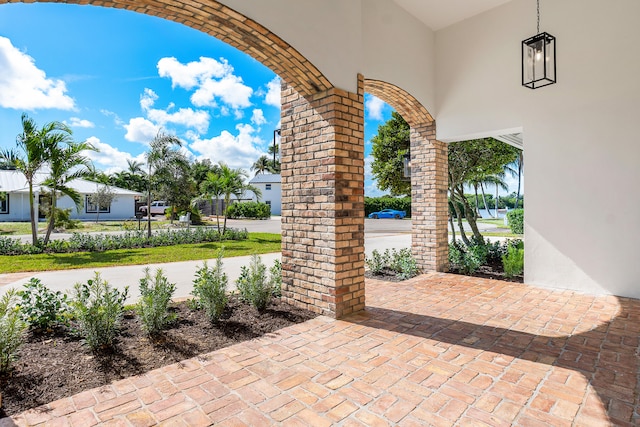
(322, 152)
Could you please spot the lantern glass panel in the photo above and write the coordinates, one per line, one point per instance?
(539, 61)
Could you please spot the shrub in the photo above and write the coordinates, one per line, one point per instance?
(210, 288)
(275, 278)
(40, 307)
(253, 285)
(375, 204)
(516, 221)
(376, 263)
(401, 263)
(98, 309)
(466, 260)
(63, 219)
(155, 296)
(513, 261)
(256, 210)
(12, 329)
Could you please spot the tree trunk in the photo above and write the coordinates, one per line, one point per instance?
(52, 217)
(484, 200)
(453, 229)
(475, 190)
(471, 219)
(34, 229)
(519, 178)
(463, 235)
(496, 200)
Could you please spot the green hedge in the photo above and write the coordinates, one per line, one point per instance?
(375, 204)
(516, 221)
(256, 210)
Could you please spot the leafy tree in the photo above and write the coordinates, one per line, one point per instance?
(231, 183)
(211, 188)
(33, 148)
(164, 161)
(200, 169)
(389, 147)
(262, 165)
(103, 197)
(67, 163)
(471, 161)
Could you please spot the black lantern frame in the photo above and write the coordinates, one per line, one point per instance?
(539, 61)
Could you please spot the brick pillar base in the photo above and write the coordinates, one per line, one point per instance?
(322, 152)
(429, 206)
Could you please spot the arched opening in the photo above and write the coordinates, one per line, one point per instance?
(429, 207)
(322, 159)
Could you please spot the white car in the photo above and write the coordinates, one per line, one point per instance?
(157, 208)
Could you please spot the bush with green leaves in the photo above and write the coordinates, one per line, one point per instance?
(155, 295)
(255, 210)
(253, 285)
(401, 263)
(467, 259)
(98, 309)
(96, 242)
(513, 261)
(275, 278)
(12, 329)
(210, 288)
(516, 221)
(40, 307)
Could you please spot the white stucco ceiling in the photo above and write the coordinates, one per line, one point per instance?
(438, 14)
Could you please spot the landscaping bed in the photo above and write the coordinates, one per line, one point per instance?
(57, 364)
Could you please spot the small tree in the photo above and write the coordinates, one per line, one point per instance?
(103, 197)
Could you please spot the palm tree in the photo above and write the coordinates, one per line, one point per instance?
(516, 169)
(31, 153)
(232, 183)
(262, 165)
(67, 163)
(134, 167)
(211, 189)
(162, 154)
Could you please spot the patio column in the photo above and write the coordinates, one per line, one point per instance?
(429, 205)
(322, 152)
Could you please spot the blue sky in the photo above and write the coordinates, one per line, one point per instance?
(117, 77)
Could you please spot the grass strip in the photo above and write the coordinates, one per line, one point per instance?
(259, 243)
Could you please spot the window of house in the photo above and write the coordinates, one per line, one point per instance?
(268, 202)
(93, 208)
(4, 204)
(267, 186)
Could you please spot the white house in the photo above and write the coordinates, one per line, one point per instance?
(271, 188)
(15, 206)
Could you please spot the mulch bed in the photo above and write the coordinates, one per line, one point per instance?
(57, 364)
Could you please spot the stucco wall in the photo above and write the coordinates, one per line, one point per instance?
(581, 142)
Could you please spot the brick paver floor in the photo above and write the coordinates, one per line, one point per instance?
(435, 350)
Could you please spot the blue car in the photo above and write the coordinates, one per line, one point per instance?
(388, 213)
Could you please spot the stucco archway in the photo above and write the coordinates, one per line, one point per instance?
(429, 181)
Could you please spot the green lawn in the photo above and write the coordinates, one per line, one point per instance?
(499, 222)
(259, 243)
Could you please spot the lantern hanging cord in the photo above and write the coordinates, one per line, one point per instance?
(538, 3)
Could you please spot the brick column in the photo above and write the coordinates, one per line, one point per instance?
(429, 206)
(322, 152)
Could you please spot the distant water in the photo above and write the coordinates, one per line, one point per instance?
(485, 214)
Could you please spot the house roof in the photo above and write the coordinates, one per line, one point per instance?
(15, 182)
(266, 178)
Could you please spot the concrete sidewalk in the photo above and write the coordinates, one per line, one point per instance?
(180, 273)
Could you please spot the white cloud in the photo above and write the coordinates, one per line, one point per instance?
(238, 151)
(141, 130)
(273, 93)
(212, 80)
(109, 159)
(116, 119)
(23, 86)
(197, 119)
(257, 118)
(76, 122)
(373, 107)
(230, 89)
(370, 186)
